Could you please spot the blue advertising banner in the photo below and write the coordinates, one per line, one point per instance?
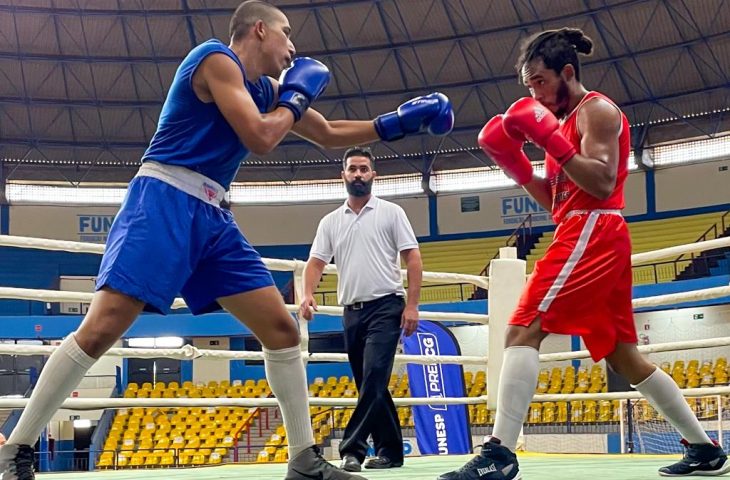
(440, 429)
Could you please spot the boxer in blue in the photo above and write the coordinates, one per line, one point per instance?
(171, 236)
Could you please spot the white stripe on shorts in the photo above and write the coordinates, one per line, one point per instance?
(573, 259)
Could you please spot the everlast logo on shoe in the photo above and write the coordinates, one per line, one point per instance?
(486, 470)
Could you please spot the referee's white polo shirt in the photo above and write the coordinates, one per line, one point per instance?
(366, 248)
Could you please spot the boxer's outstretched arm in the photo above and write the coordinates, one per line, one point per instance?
(222, 80)
(540, 190)
(594, 170)
(335, 133)
(315, 128)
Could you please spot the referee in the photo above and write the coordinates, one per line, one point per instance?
(365, 236)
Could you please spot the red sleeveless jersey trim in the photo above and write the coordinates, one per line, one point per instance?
(567, 195)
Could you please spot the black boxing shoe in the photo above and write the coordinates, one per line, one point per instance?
(495, 462)
(704, 459)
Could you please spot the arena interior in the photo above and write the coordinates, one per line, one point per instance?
(82, 83)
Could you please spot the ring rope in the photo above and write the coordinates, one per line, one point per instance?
(271, 263)
(289, 265)
(654, 348)
(188, 352)
(669, 252)
(85, 297)
(116, 403)
(668, 299)
(673, 298)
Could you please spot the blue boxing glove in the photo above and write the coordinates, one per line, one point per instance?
(301, 84)
(431, 112)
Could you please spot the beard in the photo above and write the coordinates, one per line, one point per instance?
(359, 188)
(562, 99)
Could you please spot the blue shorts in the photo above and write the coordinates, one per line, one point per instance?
(164, 242)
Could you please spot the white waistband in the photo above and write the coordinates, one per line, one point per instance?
(190, 182)
(573, 213)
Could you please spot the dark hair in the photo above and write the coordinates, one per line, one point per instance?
(556, 48)
(358, 152)
(247, 14)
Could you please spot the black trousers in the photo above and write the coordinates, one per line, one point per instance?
(371, 338)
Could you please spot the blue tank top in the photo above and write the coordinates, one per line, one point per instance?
(194, 134)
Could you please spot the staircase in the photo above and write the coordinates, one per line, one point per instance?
(261, 429)
(709, 262)
(4, 414)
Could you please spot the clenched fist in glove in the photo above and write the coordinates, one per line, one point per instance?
(301, 84)
(505, 151)
(432, 113)
(528, 119)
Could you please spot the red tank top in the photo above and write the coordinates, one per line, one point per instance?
(567, 195)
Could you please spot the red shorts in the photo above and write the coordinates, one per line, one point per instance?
(582, 286)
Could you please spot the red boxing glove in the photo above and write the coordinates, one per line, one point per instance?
(529, 119)
(505, 151)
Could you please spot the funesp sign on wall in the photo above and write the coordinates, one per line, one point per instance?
(94, 228)
(516, 208)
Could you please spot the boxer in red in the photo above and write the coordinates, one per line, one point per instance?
(582, 286)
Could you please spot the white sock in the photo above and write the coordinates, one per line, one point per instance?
(61, 374)
(517, 383)
(288, 380)
(664, 395)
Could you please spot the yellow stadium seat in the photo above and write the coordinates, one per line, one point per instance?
(590, 414)
(152, 459)
(548, 412)
(145, 443)
(262, 457)
(106, 459)
(562, 408)
(178, 442)
(122, 459)
(280, 455)
(167, 459)
(128, 443)
(227, 441)
(535, 414)
(185, 457)
(576, 411)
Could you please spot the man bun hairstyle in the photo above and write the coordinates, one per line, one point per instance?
(556, 48)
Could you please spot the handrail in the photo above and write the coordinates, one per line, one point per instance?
(247, 425)
(702, 238)
(515, 234)
(521, 226)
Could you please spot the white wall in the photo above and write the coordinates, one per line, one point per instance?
(677, 188)
(99, 382)
(205, 370)
(652, 327)
(86, 224)
(472, 340)
(685, 324)
(690, 186)
(261, 224)
(297, 224)
(505, 209)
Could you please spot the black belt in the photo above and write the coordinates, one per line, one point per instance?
(362, 305)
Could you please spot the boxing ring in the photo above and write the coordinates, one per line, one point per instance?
(506, 275)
